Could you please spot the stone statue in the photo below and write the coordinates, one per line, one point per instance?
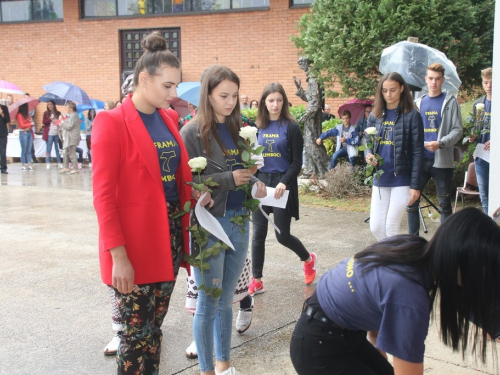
(315, 158)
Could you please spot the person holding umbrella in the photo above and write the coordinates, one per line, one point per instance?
(4, 132)
(25, 123)
(70, 130)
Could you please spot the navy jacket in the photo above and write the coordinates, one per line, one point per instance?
(408, 143)
(4, 121)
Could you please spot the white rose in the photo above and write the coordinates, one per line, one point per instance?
(479, 107)
(197, 163)
(248, 132)
(371, 130)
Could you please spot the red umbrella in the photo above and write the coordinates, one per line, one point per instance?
(181, 107)
(356, 107)
(32, 104)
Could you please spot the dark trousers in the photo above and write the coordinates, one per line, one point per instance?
(318, 348)
(443, 178)
(3, 153)
(143, 312)
(282, 219)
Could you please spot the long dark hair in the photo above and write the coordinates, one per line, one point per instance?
(206, 116)
(91, 114)
(405, 100)
(263, 118)
(23, 110)
(465, 264)
(397, 251)
(155, 56)
(55, 112)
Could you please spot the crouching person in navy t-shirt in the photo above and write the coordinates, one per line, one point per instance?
(391, 287)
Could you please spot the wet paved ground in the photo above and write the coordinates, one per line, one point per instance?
(55, 315)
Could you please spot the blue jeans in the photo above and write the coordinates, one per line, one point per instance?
(213, 319)
(342, 152)
(26, 140)
(483, 179)
(53, 140)
(443, 178)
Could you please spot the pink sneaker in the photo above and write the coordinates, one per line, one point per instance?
(256, 287)
(310, 270)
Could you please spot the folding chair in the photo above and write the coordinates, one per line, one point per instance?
(471, 179)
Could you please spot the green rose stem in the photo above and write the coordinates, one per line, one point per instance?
(373, 171)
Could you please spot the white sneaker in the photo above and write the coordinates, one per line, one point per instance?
(244, 319)
(229, 371)
(191, 351)
(112, 346)
(60, 166)
(90, 165)
(48, 166)
(30, 168)
(23, 169)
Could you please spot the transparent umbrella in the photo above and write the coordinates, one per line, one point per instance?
(411, 61)
(68, 91)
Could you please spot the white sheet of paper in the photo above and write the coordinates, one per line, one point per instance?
(481, 153)
(269, 200)
(210, 223)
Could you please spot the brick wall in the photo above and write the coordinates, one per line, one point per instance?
(256, 45)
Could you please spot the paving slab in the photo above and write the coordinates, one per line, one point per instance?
(55, 315)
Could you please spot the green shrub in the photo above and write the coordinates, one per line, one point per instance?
(297, 112)
(330, 143)
(251, 113)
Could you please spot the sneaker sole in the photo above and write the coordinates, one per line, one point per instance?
(110, 353)
(244, 330)
(191, 355)
(260, 291)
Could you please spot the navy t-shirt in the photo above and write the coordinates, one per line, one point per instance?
(430, 110)
(379, 300)
(486, 121)
(235, 199)
(169, 152)
(274, 139)
(386, 151)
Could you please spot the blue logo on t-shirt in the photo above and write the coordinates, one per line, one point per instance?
(168, 152)
(430, 111)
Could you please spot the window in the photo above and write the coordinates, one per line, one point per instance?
(299, 3)
(113, 8)
(131, 50)
(30, 10)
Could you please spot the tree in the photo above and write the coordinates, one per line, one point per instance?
(345, 38)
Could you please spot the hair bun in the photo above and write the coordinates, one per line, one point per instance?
(154, 42)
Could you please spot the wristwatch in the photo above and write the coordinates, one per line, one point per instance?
(441, 145)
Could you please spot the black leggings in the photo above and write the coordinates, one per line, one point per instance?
(318, 348)
(282, 219)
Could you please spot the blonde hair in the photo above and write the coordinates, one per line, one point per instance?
(487, 73)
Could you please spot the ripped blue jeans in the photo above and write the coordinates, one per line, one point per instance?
(213, 319)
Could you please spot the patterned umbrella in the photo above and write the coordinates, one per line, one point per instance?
(68, 91)
(10, 88)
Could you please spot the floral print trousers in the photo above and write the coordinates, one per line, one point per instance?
(143, 312)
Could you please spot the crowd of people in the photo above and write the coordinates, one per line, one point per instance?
(60, 132)
(378, 301)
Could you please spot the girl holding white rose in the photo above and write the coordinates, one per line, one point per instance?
(280, 134)
(399, 142)
(214, 133)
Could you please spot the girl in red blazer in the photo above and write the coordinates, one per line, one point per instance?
(140, 172)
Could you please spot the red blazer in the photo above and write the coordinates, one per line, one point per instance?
(128, 194)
